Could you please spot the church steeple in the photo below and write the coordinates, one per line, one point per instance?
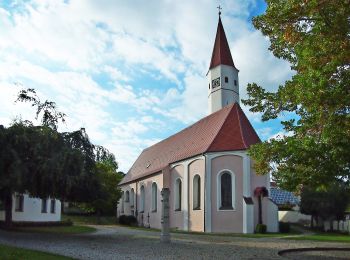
(221, 51)
(222, 74)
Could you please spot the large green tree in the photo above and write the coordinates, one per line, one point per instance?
(327, 203)
(109, 194)
(313, 36)
(43, 162)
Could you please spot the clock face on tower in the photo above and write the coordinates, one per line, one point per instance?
(216, 82)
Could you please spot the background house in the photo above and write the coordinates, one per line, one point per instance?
(26, 208)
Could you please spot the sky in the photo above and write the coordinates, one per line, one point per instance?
(130, 72)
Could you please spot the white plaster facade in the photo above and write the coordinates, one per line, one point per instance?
(32, 210)
(208, 217)
(228, 91)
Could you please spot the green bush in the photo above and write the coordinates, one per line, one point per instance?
(260, 228)
(127, 220)
(284, 227)
(16, 224)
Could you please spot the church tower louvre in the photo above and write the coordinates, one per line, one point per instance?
(223, 86)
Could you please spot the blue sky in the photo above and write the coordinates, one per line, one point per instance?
(131, 72)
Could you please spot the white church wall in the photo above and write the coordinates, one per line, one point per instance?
(272, 215)
(227, 220)
(196, 216)
(152, 218)
(227, 93)
(176, 217)
(293, 216)
(32, 211)
(214, 100)
(126, 207)
(148, 217)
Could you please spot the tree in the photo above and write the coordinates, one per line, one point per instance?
(43, 162)
(314, 37)
(260, 193)
(327, 203)
(108, 177)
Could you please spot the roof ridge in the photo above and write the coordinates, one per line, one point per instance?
(223, 122)
(240, 127)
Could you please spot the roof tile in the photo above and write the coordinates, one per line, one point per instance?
(221, 50)
(225, 130)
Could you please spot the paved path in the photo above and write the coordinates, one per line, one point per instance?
(113, 242)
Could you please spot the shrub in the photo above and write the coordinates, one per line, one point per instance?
(260, 228)
(127, 220)
(284, 227)
(19, 224)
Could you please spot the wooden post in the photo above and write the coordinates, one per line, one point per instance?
(165, 233)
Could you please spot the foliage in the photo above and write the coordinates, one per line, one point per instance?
(261, 192)
(43, 162)
(260, 229)
(314, 37)
(90, 219)
(327, 204)
(59, 229)
(48, 109)
(286, 207)
(284, 227)
(9, 252)
(127, 220)
(108, 177)
(21, 224)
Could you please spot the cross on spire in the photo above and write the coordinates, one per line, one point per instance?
(219, 8)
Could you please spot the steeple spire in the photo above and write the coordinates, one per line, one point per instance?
(223, 84)
(221, 51)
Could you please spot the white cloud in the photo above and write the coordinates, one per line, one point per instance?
(64, 49)
(280, 135)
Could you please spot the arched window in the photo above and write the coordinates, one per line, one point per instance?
(154, 197)
(142, 202)
(196, 192)
(178, 195)
(132, 197)
(127, 198)
(226, 190)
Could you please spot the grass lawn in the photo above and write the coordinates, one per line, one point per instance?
(59, 230)
(325, 237)
(280, 235)
(14, 253)
(90, 220)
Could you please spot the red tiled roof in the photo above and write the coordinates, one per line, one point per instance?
(221, 51)
(225, 130)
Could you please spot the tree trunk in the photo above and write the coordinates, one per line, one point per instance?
(8, 210)
(260, 210)
(98, 213)
(62, 207)
(312, 221)
(331, 225)
(338, 224)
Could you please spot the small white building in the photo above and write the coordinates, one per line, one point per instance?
(26, 208)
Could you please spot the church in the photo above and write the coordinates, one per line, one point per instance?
(206, 167)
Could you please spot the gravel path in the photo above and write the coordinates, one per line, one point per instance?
(111, 242)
